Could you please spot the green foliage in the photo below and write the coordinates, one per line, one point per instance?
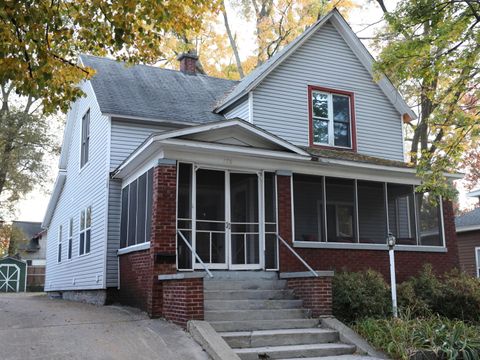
(358, 295)
(24, 141)
(404, 337)
(40, 40)
(11, 238)
(455, 295)
(431, 50)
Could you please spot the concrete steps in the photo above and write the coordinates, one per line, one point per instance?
(299, 351)
(260, 338)
(259, 318)
(264, 314)
(252, 304)
(251, 325)
(248, 294)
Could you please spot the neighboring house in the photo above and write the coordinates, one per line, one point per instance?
(307, 149)
(468, 239)
(33, 250)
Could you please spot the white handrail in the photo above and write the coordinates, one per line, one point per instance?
(196, 255)
(297, 256)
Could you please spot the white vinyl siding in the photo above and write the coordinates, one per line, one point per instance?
(280, 102)
(84, 188)
(240, 110)
(126, 136)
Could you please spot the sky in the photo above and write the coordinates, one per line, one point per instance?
(33, 206)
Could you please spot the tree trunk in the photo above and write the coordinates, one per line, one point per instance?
(233, 43)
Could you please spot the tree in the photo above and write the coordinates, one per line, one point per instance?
(278, 22)
(11, 239)
(40, 40)
(431, 51)
(39, 43)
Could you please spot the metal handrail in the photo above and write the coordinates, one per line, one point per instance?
(195, 253)
(297, 256)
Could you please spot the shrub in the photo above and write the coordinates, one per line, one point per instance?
(405, 337)
(358, 295)
(456, 295)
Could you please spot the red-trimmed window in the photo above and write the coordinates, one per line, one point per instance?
(332, 120)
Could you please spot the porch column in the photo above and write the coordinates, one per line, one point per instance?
(163, 238)
(284, 199)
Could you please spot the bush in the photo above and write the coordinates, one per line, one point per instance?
(406, 337)
(359, 295)
(456, 295)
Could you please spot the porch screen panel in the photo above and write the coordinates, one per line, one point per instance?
(429, 217)
(401, 213)
(372, 218)
(132, 213)
(136, 214)
(141, 208)
(184, 215)
(210, 216)
(124, 218)
(340, 210)
(271, 241)
(308, 207)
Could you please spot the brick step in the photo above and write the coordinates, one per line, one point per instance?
(250, 284)
(299, 351)
(268, 314)
(251, 325)
(248, 294)
(253, 304)
(262, 338)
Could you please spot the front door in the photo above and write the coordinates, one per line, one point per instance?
(227, 230)
(244, 228)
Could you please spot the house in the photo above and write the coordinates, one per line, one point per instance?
(33, 250)
(167, 177)
(468, 239)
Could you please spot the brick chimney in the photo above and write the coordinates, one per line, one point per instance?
(188, 63)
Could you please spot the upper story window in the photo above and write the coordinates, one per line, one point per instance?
(332, 118)
(85, 230)
(85, 139)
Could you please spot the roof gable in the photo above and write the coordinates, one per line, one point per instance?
(252, 80)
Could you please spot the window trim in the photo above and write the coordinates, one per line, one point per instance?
(353, 131)
(84, 231)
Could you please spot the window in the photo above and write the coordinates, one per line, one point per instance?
(332, 118)
(85, 230)
(340, 209)
(136, 217)
(477, 257)
(359, 211)
(85, 139)
(59, 255)
(70, 238)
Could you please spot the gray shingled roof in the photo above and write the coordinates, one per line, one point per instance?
(29, 228)
(155, 93)
(471, 218)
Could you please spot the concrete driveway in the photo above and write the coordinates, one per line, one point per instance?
(35, 327)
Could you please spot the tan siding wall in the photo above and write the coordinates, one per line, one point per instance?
(467, 241)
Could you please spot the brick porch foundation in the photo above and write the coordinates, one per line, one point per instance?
(316, 293)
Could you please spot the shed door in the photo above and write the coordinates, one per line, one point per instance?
(9, 278)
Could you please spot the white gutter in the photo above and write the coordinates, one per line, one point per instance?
(468, 228)
(52, 203)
